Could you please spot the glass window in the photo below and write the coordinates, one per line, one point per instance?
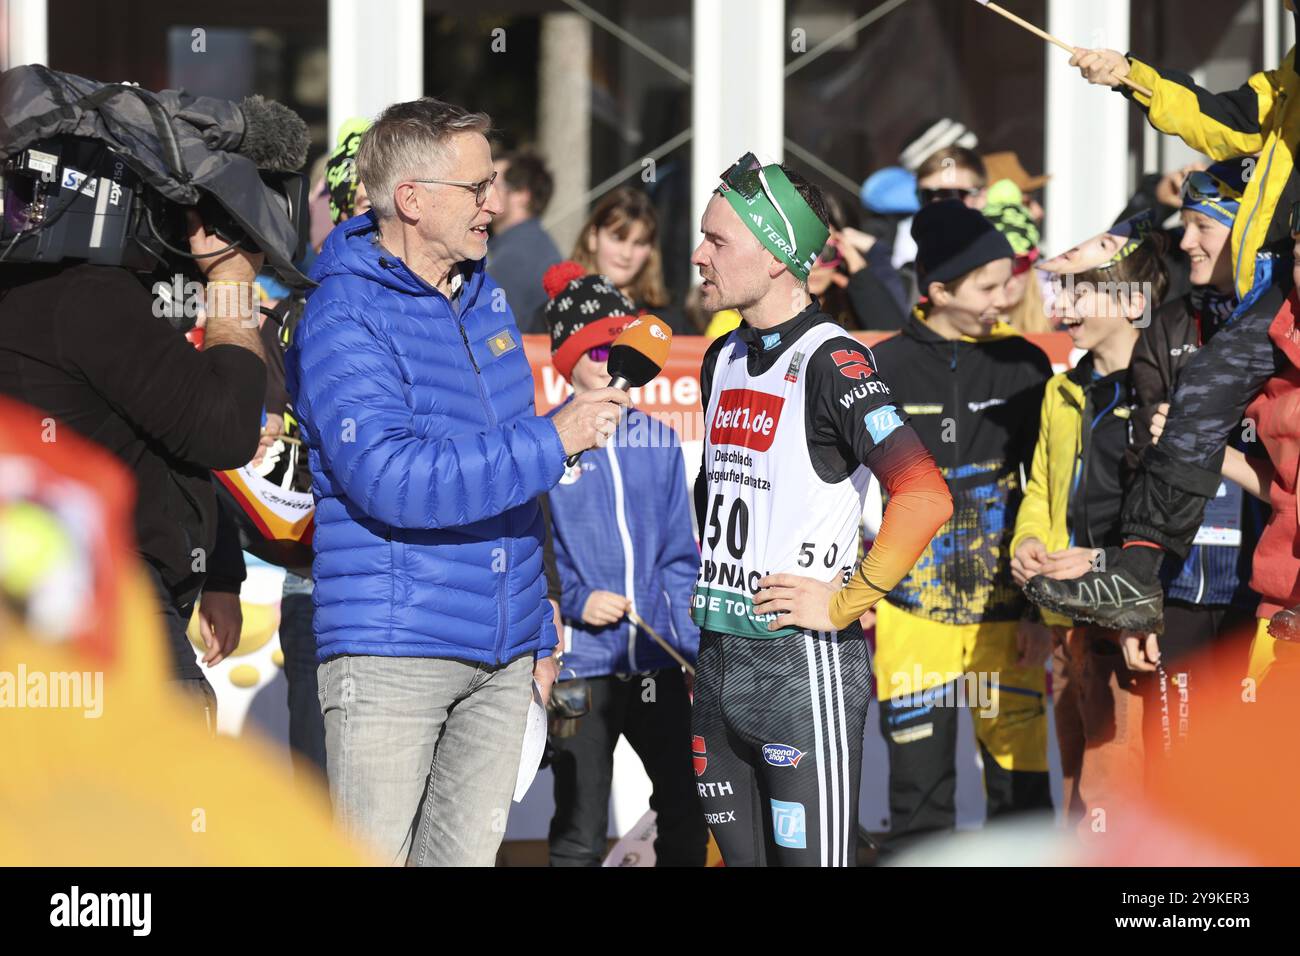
(230, 49)
(628, 60)
(894, 69)
(1220, 43)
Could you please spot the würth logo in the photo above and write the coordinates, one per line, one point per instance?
(746, 418)
(852, 364)
(699, 755)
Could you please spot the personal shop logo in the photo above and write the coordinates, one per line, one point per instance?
(782, 755)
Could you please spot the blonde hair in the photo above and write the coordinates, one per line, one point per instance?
(619, 210)
(1029, 317)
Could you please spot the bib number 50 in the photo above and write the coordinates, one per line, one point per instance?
(806, 554)
(737, 526)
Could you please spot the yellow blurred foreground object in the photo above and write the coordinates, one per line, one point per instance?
(106, 767)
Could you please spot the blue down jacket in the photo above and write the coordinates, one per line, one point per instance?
(622, 522)
(426, 458)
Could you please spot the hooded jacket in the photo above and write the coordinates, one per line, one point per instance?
(426, 460)
(1261, 118)
(1276, 411)
(1075, 484)
(975, 405)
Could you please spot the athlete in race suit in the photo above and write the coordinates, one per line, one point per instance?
(796, 414)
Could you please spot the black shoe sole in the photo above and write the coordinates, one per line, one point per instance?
(1146, 619)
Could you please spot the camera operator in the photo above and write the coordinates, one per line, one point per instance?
(83, 344)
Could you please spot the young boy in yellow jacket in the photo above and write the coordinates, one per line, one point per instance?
(1071, 510)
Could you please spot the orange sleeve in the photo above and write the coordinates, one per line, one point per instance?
(919, 505)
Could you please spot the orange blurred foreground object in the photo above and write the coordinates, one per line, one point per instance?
(1226, 796)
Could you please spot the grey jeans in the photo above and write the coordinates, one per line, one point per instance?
(422, 753)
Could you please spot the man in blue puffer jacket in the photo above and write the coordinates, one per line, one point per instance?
(409, 376)
(623, 547)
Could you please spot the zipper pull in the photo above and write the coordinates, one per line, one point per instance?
(468, 351)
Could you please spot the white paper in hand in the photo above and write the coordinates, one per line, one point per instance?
(534, 744)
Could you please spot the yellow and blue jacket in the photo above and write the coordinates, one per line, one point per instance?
(974, 404)
(1075, 485)
(1260, 119)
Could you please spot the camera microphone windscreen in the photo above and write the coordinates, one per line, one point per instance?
(275, 137)
(639, 353)
(636, 356)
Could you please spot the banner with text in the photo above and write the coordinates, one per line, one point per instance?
(674, 396)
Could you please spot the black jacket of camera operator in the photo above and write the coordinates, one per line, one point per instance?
(82, 344)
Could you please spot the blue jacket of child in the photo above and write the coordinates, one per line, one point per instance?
(621, 519)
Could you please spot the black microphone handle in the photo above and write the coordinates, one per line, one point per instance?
(617, 382)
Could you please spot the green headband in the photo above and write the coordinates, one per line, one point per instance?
(772, 208)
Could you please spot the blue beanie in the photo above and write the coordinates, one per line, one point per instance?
(891, 192)
(1216, 192)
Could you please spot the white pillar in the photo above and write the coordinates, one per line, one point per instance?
(738, 89)
(564, 121)
(1087, 126)
(376, 57)
(1279, 33)
(28, 38)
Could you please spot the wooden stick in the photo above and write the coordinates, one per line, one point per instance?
(1043, 34)
(640, 622)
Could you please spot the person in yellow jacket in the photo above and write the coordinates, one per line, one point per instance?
(1165, 505)
(1071, 510)
(1259, 122)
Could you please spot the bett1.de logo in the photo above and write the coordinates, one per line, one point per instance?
(746, 418)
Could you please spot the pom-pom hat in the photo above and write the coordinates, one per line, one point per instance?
(583, 312)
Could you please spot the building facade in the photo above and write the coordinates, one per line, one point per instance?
(667, 93)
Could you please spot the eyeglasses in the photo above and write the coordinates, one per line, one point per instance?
(746, 177)
(480, 188)
(599, 354)
(927, 196)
